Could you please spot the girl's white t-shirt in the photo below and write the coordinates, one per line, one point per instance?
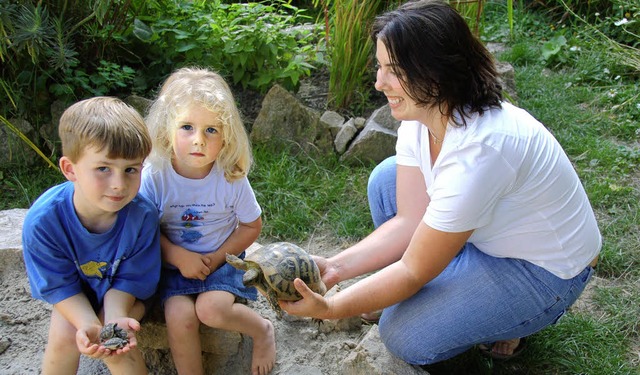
(507, 178)
(199, 215)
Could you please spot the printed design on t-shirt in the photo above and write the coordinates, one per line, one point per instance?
(94, 269)
(190, 220)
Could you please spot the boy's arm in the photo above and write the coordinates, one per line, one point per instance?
(121, 308)
(241, 238)
(78, 311)
(117, 304)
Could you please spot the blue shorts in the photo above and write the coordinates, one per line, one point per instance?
(226, 278)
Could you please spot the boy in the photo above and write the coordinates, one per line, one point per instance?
(91, 245)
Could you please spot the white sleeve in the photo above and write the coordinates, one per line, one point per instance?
(246, 205)
(406, 145)
(148, 187)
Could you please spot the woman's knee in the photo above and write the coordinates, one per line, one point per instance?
(382, 175)
(381, 191)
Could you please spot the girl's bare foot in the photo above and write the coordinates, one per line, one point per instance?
(264, 351)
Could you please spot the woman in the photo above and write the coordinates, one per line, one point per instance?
(484, 234)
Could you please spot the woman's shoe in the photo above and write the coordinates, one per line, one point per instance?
(372, 317)
(487, 350)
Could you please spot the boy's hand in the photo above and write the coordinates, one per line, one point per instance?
(194, 266)
(131, 326)
(87, 341)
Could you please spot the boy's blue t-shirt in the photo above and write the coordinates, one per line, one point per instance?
(63, 258)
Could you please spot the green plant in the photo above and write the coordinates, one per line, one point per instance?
(40, 48)
(223, 37)
(553, 49)
(471, 10)
(347, 25)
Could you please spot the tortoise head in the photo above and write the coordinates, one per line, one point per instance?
(236, 262)
(253, 276)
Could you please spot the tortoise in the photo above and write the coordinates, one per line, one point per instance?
(113, 337)
(272, 269)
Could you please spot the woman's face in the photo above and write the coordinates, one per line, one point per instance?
(402, 106)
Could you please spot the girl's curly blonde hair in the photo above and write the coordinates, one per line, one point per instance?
(188, 86)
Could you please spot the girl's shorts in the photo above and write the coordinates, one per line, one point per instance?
(226, 278)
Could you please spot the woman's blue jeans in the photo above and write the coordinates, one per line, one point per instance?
(476, 299)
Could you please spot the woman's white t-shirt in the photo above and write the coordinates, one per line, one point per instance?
(507, 178)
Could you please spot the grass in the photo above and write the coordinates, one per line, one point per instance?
(303, 194)
(587, 100)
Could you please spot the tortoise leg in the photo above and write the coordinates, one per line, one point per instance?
(273, 301)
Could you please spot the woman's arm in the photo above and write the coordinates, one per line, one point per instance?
(388, 242)
(429, 252)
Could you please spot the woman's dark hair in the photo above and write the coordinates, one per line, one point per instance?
(438, 60)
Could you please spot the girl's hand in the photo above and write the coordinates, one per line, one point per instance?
(194, 266)
(312, 304)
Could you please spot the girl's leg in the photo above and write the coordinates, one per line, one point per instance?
(183, 333)
(381, 191)
(218, 309)
(61, 355)
(476, 299)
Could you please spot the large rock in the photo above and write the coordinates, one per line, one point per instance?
(283, 119)
(376, 141)
(141, 104)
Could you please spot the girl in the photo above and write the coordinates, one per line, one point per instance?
(197, 177)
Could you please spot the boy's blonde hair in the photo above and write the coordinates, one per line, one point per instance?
(104, 122)
(188, 86)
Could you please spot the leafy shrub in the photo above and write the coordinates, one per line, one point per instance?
(254, 44)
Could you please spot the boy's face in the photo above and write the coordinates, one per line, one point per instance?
(102, 185)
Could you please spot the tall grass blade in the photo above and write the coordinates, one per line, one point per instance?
(27, 141)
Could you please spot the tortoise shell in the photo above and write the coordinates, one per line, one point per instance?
(272, 269)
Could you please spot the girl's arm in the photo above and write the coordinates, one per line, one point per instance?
(241, 238)
(191, 265)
